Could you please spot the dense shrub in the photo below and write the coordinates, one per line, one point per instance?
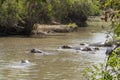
(111, 69)
(79, 13)
(95, 9)
(23, 14)
(10, 13)
(66, 11)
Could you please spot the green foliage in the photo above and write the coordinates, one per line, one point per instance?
(117, 28)
(10, 13)
(101, 72)
(111, 69)
(115, 4)
(26, 13)
(22, 13)
(1, 2)
(95, 9)
(79, 12)
(72, 25)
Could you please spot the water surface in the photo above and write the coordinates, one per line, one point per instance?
(57, 65)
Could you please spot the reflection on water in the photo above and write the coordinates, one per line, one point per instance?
(58, 65)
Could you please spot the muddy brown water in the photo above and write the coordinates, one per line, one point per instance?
(58, 64)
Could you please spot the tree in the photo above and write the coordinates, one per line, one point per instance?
(25, 13)
(111, 70)
(17, 13)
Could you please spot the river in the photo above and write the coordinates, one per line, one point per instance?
(58, 64)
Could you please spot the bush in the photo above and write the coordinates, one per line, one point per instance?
(10, 13)
(25, 13)
(95, 11)
(79, 13)
(110, 71)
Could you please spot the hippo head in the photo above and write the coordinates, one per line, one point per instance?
(25, 61)
(35, 50)
(66, 47)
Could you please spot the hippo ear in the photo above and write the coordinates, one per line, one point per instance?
(32, 50)
(22, 61)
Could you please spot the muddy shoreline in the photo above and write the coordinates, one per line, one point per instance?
(43, 29)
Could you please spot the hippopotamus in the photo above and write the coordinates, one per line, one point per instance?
(82, 48)
(36, 51)
(25, 61)
(100, 44)
(82, 43)
(70, 47)
(96, 48)
(66, 47)
(87, 49)
(97, 44)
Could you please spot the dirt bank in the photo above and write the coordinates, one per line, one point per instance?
(39, 29)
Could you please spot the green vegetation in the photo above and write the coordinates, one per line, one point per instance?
(72, 25)
(95, 8)
(110, 70)
(103, 72)
(19, 16)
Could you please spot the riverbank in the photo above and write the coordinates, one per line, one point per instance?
(59, 29)
(98, 24)
(40, 29)
(44, 29)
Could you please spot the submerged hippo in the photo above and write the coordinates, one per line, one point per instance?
(87, 49)
(36, 51)
(97, 44)
(66, 47)
(82, 44)
(83, 48)
(25, 61)
(100, 44)
(70, 47)
(96, 48)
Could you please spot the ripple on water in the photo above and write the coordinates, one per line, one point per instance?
(63, 66)
(19, 65)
